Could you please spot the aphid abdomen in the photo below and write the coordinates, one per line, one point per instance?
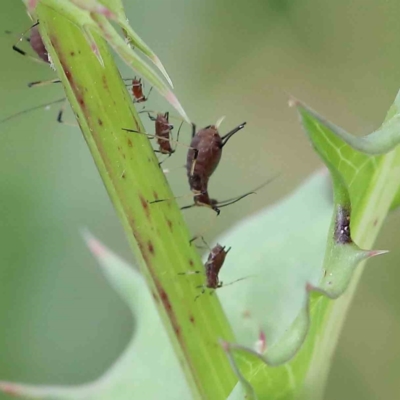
(137, 90)
(163, 131)
(208, 144)
(37, 44)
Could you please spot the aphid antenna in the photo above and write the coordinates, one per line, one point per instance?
(220, 286)
(233, 200)
(32, 109)
(205, 230)
(170, 199)
(235, 281)
(156, 112)
(226, 137)
(43, 83)
(152, 136)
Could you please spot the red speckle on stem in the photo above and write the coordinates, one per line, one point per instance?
(145, 206)
(169, 222)
(150, 247)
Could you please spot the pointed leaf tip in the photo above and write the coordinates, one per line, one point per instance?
(293, 102)
(32, 5)
(157, 62)
(94, 6)
(373, 253)
(261, 344)
(96, 248)
(175, 103)
(10, 388)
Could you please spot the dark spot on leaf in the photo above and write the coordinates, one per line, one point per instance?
(105, 83)
(150, 247)
(130, 144)
(100, 122)
(191, 262)
(123, 175)
(145, 206)
(165, 299)
(72, 53)
(342, 226)
(376, 222)
(155, 195)
(191, 318)
(169, 222)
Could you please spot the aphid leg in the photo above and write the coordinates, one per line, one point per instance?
(226, 137)
(149, 135)
(171, 198)
(41, 106)
(207, 246)
(152, 136)
(61, 113)
(189, 273)
(148, 94)
(202, 292)
(177, 136)
(43, 83)
(193, 130)
(165, 159)
(22, 52)
(195, 155)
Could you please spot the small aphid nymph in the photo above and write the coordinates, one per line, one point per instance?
(163, 132)
(137, 90)
(213, 265)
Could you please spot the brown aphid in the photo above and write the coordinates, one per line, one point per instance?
(163, 132)
(137, 90)
(213, 265)
(36, 42)
(203, 158)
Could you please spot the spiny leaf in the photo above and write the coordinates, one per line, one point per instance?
(132, 375)
(243, 389)
(381, 141)
(364, 186)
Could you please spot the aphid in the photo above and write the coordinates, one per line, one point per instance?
(203, 157)
(163, 134)
(137, 90)
(212, 267)
(36, 43)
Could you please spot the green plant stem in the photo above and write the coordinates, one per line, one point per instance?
(132, 177)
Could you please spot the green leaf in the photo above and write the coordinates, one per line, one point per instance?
(364, 188)
(140, 372)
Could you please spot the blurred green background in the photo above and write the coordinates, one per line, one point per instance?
(60, 322)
